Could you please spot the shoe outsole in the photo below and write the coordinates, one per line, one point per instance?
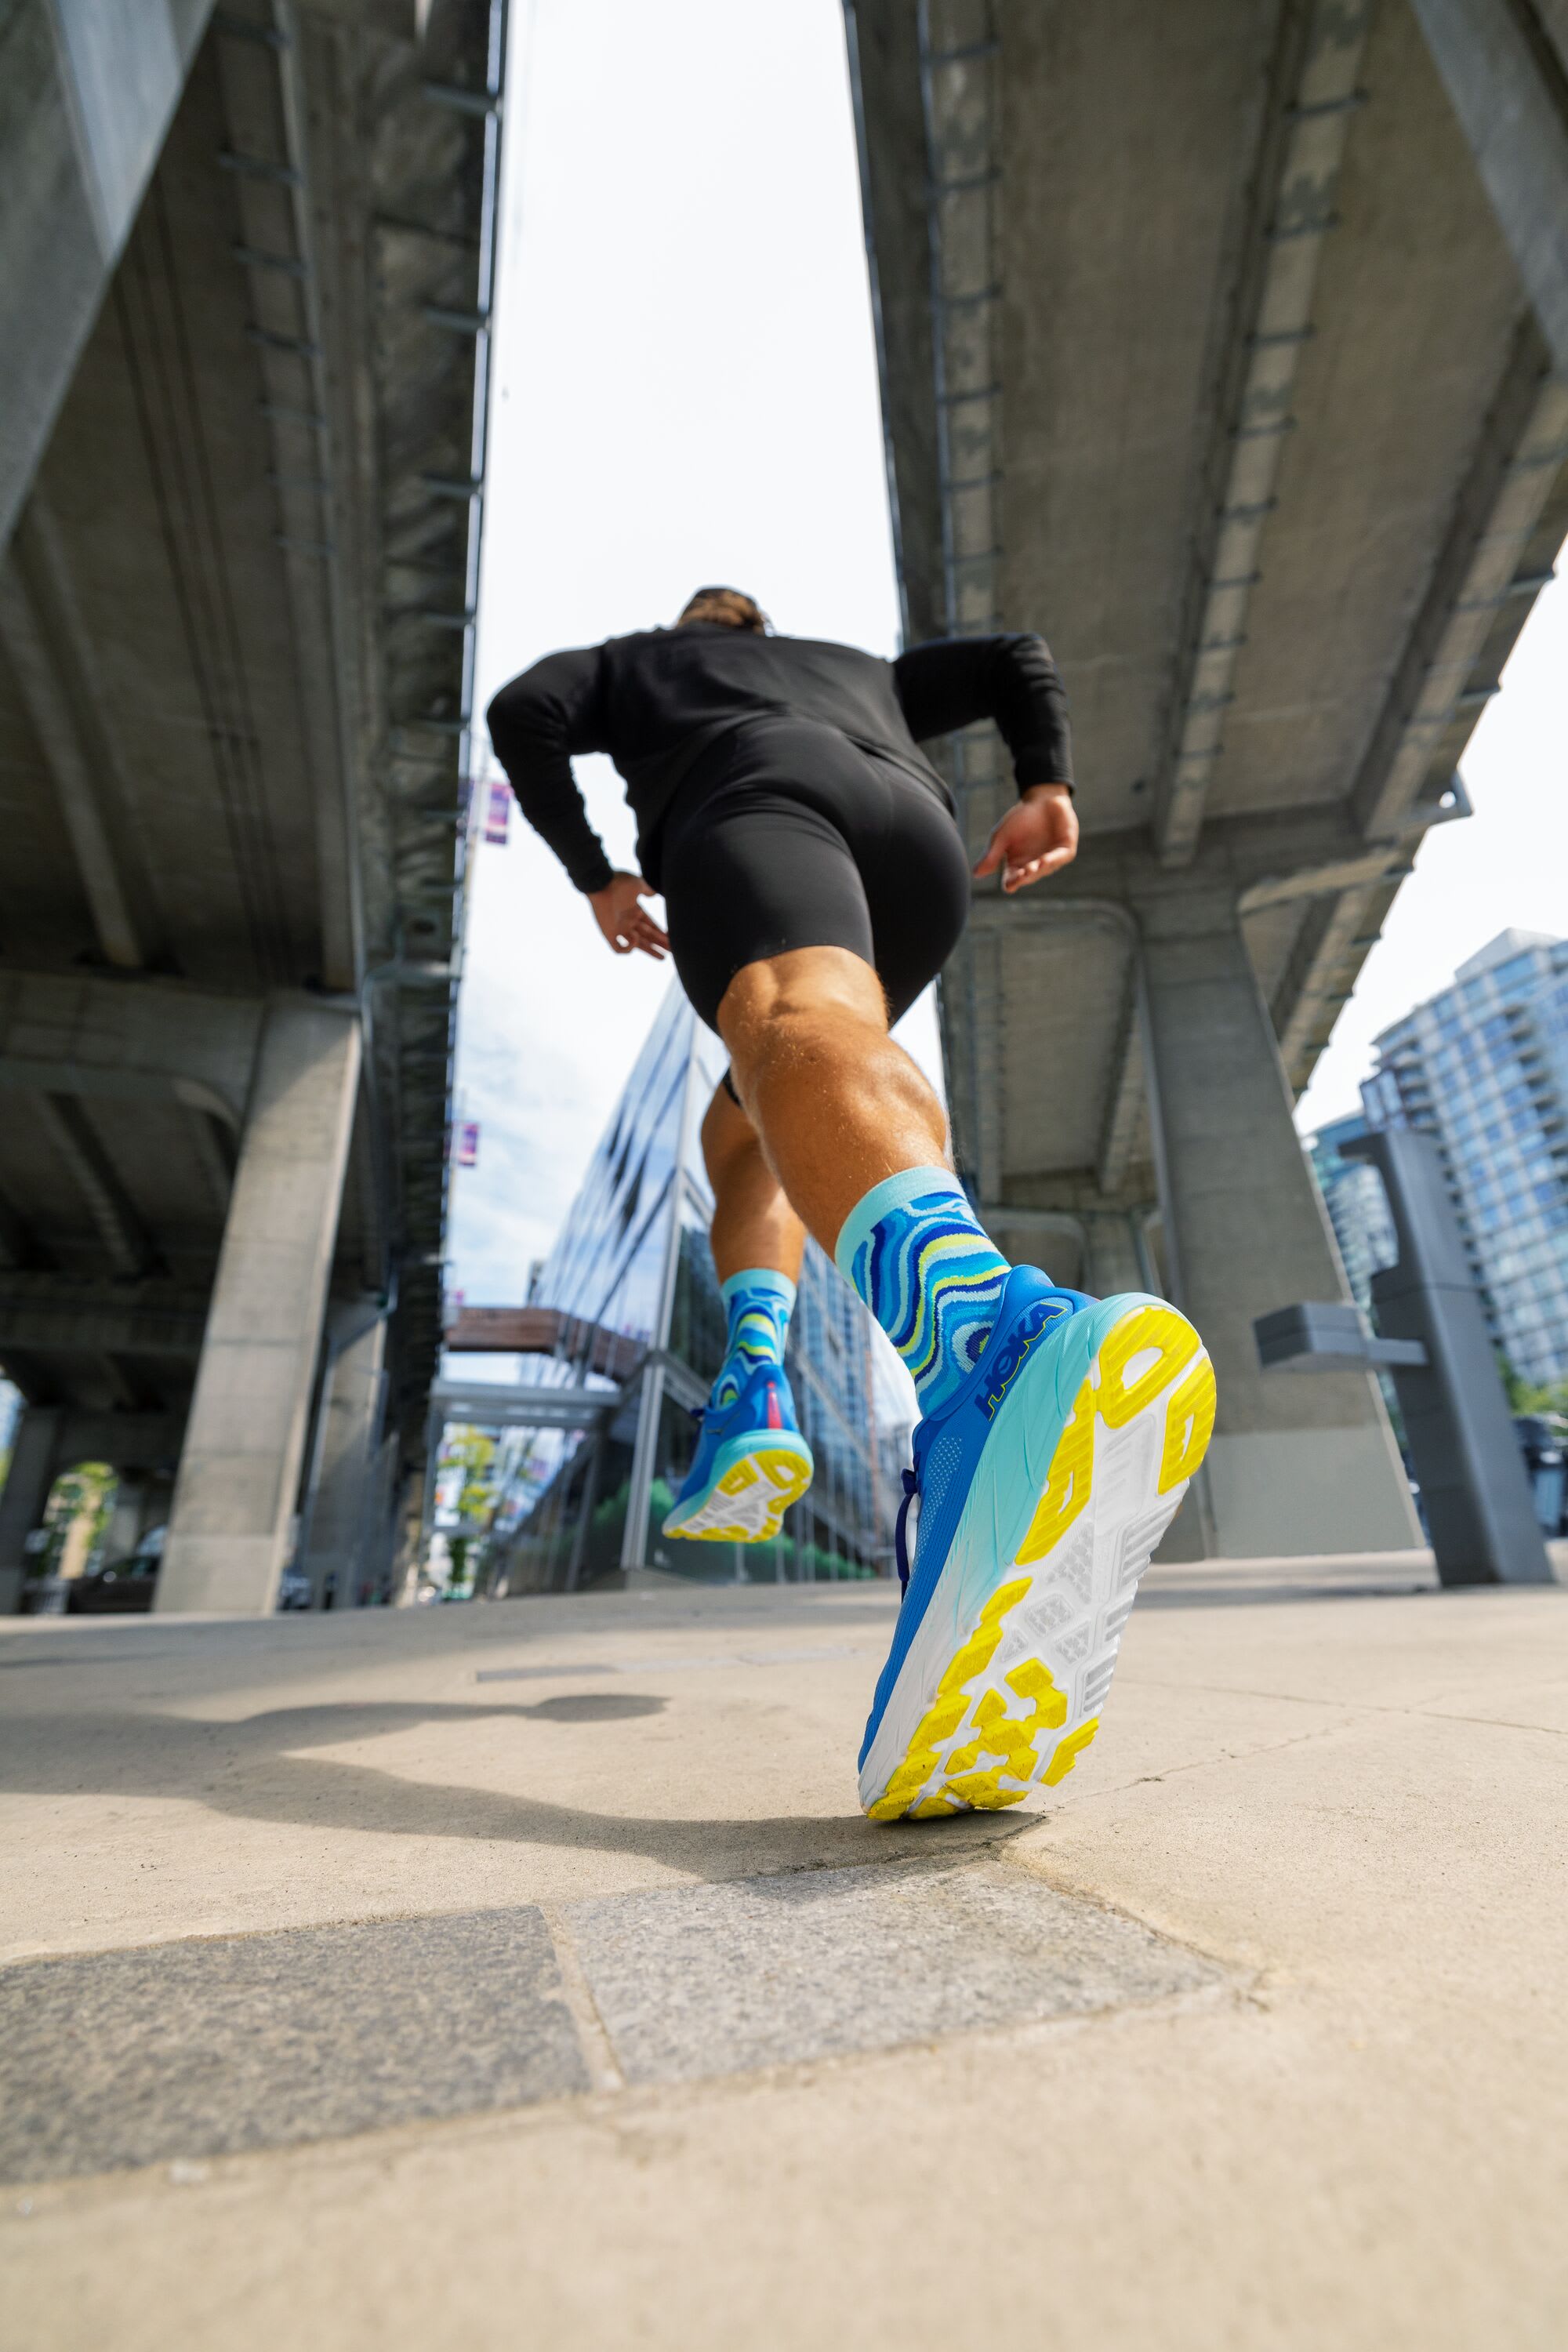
(747, 1501)
(1008, 1698)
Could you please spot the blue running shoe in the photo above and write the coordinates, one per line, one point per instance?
(1042, 1490)
(751, 1464)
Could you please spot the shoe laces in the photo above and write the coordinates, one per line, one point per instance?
(904, 1537)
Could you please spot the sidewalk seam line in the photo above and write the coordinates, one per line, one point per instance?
(1425, 1711)
(598, 2050)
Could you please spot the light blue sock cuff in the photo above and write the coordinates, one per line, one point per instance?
(763, 1278)
(892, 1193)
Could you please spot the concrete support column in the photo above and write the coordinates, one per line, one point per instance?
(232, 1523)
(345, 1512)
(35, 1459)
(1296, 1466)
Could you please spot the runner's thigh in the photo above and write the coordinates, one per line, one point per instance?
(755, 872)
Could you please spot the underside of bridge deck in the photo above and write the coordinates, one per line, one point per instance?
(243, 484)
(1213, 348)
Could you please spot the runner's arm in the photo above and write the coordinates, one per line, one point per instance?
(536, 724)
(956, 681)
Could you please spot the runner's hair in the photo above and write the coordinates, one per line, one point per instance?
(729, 606)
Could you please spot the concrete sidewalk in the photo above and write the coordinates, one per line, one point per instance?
(524, 1973)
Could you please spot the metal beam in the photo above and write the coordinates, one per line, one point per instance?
(1507, 86)
(125, 1441)
(125, 1239)
(312, 517)
(58, 677)
(21, 1072)
(958, 93)
(1316, 70)
(1322, 948)
(1474, 601)
(53, 1315)
(127, 1040)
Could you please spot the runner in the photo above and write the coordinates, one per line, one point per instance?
(815, 881)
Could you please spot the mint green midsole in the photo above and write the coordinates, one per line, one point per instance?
(1012, 1472)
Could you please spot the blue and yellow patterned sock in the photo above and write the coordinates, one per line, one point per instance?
(759, 1303)
(915, 1251)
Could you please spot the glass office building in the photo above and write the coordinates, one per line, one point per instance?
(1357, 1205)
(641, 1325)
(1482, 1067)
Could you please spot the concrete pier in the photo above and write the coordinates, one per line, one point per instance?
(232, 1527)
(1302, 1466)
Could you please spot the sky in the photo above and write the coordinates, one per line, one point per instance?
(684, 390)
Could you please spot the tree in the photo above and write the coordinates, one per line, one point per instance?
(1533, 1396)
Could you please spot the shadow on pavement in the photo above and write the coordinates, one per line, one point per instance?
(245, 1769)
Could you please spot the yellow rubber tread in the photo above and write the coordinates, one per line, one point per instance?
(984, 1793)
(927, 1781)
(1068, 1484)
(984, 1742)
(784, 1473)
(1069, 1750)
(972, 1660)
(1189, 1425)
(1158, 1329)
(996, 1608)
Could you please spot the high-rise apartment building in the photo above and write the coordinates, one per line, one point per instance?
(1357, 1205)
(1482, 1067)
(633, 1295)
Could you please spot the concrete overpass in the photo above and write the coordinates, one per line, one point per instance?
(1227, 344)
(243, 282)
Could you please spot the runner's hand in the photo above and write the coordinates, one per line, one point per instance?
(1037, 838)
(620, 915)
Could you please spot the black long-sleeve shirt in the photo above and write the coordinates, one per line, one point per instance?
(656, 700)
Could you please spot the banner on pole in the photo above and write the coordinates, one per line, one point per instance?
(468, 1154)
(498, 811)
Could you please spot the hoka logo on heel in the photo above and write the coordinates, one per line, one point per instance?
(1016, 1347)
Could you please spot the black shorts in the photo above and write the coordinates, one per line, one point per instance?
(787, 835)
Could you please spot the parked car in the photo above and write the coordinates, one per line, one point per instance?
(1541, 1440)
(118, 1591)
(125, 1588)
